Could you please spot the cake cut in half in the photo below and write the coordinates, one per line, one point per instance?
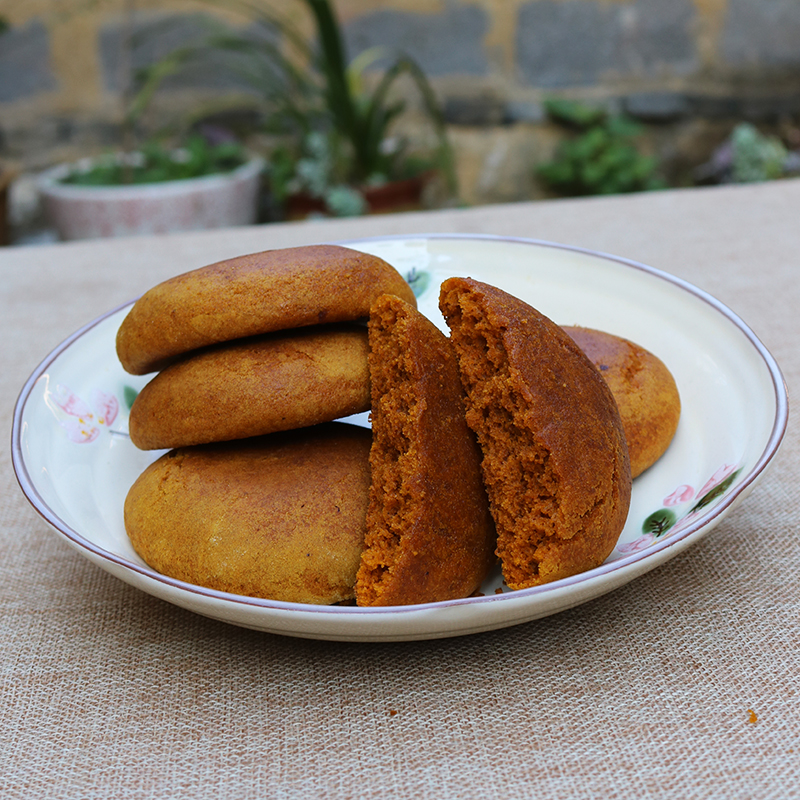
(430, 536)
(555, 460)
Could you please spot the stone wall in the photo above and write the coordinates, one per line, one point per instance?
(687, 68)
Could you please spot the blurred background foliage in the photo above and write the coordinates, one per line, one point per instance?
(504, 100)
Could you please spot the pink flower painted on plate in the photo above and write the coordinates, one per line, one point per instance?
(667, 520)
(717, 478)
(78, 431)
(83, 421)
(684, 522)
(682, 494)
(637, 545)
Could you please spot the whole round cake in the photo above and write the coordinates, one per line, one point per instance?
(250, 295)
(255, 386)
(281, 516)
(646, 394)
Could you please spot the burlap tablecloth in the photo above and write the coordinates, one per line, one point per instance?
(682, 684)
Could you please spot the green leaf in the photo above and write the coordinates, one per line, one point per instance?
(418, 280)
(659, 522)
(573, 113)
(129, 394)
(720, 489)
(623, 127)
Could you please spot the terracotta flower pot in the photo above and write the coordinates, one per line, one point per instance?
(404, 195)
(213, 201)
(7, 175)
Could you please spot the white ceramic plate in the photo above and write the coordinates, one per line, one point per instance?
(75, 463)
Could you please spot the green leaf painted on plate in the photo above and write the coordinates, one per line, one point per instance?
(717, 491)
(659, 522)
(129, 395)
(418, 280)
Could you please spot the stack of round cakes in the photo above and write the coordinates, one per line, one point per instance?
(512, 439)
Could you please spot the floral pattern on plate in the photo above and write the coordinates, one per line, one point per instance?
(82, 420)
(418, 280)
(733, 399)
(668, 520)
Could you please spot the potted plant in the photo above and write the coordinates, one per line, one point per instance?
(207, 182)
(749, 156)
(8, 173)
(152, 190)
(600, 157)
(337, 151)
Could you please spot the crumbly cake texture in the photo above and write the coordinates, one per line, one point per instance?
(253, 294)
(645, 390)
(255, 386)
(281, 517)
(555, 461)
(430, 535)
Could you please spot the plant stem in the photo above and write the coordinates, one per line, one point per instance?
(341, 103)
(126, 84)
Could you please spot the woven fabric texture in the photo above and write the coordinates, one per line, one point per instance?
(684, 683)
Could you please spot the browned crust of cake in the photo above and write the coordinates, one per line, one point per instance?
(555, 460)
(281, 517)
(430, 536)
(253, 294)
(255, 386)
(645, 391)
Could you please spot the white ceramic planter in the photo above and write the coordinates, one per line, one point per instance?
(91, 212)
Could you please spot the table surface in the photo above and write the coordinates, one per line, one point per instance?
(684, 683)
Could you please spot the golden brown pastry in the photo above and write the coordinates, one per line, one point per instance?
(280, 517)
(253, 294)
(555, 460)
(645, 391)
(430, 535)
(254, 386)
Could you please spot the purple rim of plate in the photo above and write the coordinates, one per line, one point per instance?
(773, 443)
